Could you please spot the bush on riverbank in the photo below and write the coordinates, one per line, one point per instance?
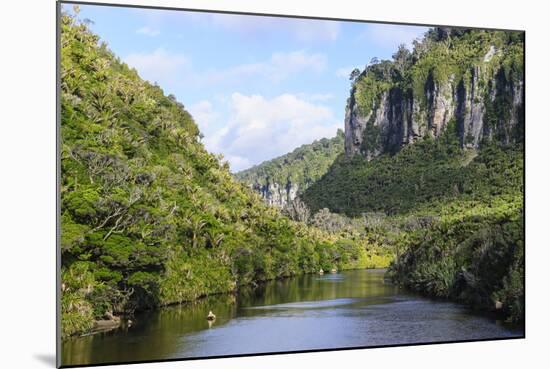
(78, 283)
(474, 256)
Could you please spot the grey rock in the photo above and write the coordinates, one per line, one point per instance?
(276, 194)
(398, 118)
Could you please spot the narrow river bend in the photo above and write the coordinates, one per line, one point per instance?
(348, 309)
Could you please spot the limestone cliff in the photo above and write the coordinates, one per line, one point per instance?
(275, 194)
(468, 81)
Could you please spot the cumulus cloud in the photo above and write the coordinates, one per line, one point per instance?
(148, 31)
(158, 66)
(204, 114)
(237, 163)
(390, 36)
(261, 128)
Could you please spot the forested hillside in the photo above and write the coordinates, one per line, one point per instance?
(421, 177)
(148, 216)
(279, 181)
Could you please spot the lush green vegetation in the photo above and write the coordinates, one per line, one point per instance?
(302, 167)
(424, 175)
(148, 216)
(473, 253)
(452, 54)
(454, 216)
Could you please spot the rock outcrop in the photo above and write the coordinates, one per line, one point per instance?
(276, 194)
(481, 102)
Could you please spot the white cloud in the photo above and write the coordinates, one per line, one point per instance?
(260, 128)
(390, 36)
(236, 162)
(148, 31)
(158, 66)
(171, 70)
(203, 113)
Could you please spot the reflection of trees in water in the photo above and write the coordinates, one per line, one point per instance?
(315, 288)
(153, 335)
(161, 334)
(77, 350)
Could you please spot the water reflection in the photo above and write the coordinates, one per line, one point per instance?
(350, 309)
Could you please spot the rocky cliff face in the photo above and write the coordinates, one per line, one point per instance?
(481, 102)
(275, 194)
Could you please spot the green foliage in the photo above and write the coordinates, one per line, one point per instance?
(302, 167)
(474, 256)
(426, 174)
(148, 216)
(453, 217)
(77, 310)
(371, 85)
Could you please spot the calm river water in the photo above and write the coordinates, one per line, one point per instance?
(348, 309)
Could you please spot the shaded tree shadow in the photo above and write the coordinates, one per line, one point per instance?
(48, 359)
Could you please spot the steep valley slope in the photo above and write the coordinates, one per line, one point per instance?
(148, 216)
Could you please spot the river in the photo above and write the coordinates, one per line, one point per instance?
(349, 309)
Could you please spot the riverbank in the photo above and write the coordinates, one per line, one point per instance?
(353, 308)
(365, 261)
(475, 257)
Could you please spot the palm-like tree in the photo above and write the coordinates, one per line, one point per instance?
(195, 226)
(214, 238)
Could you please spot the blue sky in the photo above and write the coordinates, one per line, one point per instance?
(257, 86)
